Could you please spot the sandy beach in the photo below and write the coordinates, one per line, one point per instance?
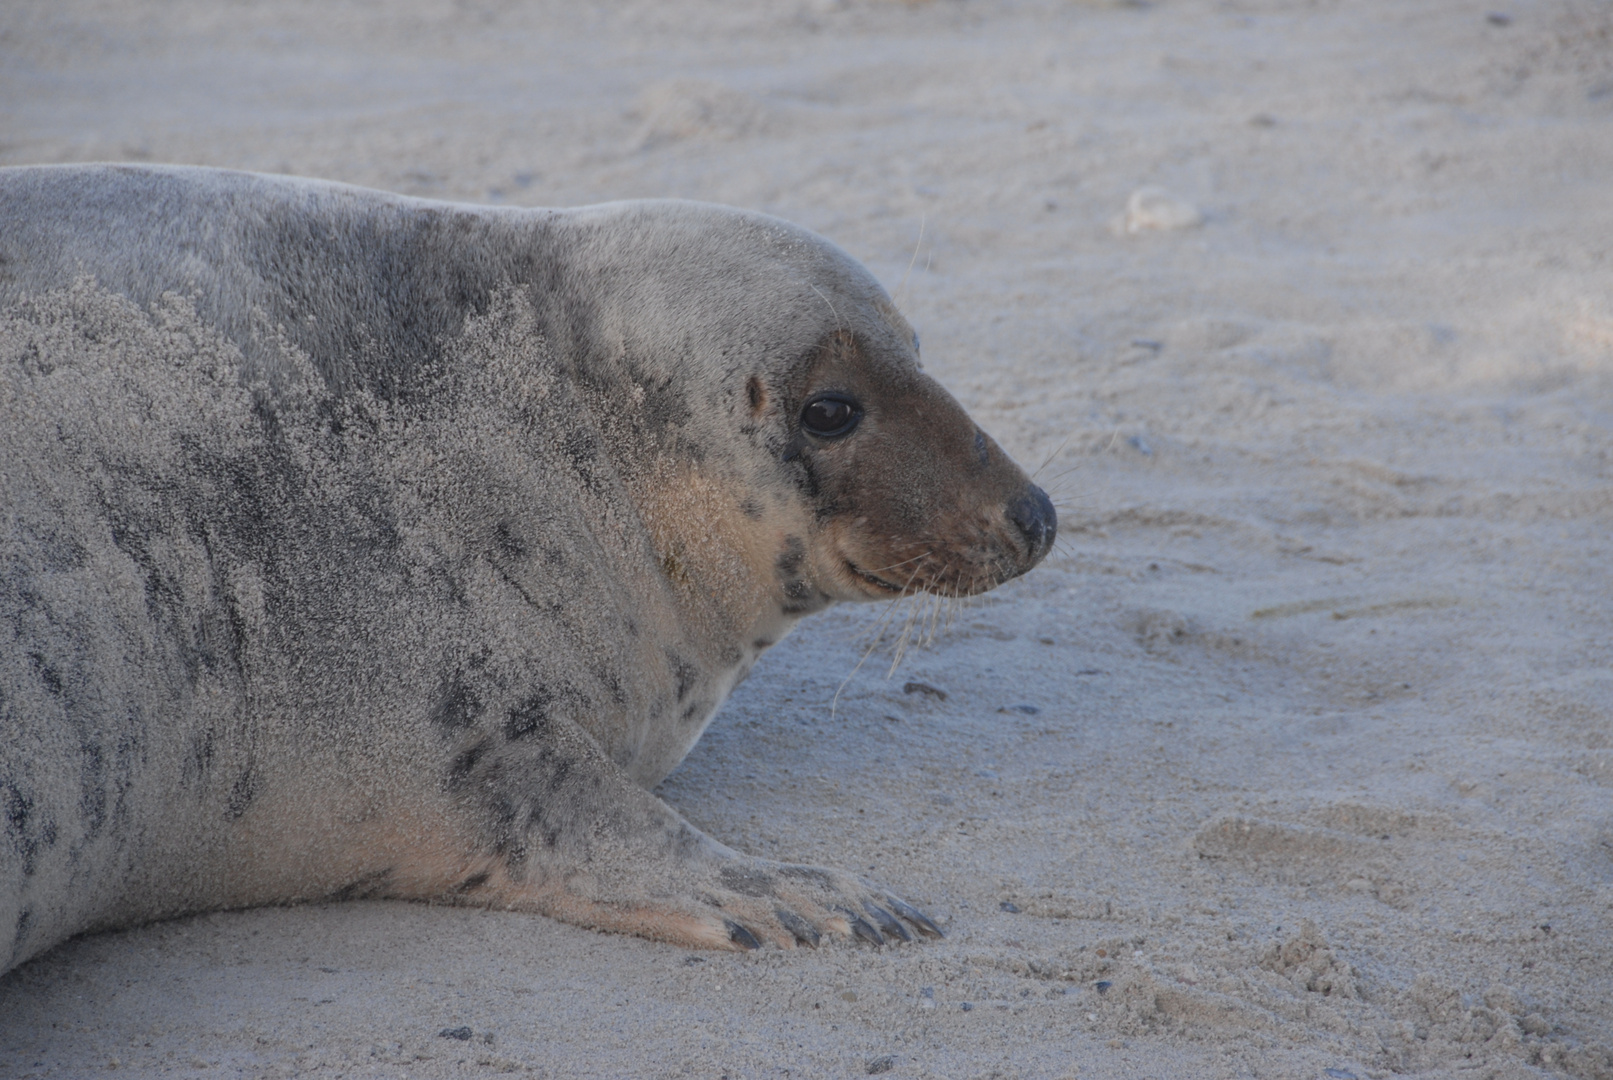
(1294, 759)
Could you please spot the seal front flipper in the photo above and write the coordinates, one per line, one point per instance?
(562, 831)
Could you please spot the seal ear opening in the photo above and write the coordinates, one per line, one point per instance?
(757, 394)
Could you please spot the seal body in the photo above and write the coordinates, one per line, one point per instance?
(356, 545)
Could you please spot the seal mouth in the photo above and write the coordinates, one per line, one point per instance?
(877, 582)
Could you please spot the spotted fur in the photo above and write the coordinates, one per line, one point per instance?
(356, 545)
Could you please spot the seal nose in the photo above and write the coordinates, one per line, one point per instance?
(1036, 520)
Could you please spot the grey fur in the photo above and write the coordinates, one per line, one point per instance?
(355, 545)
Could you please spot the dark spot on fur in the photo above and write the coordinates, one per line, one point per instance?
(26, 830)
(751, 508)
(687, 674)
(508, 542)
(242, 792)
(18, 809)
(24, 918)
(459, 705)
(673, 568)
(47, 674)
(406, 300)
(531, 716)
(581, 448)
(789, 564)
(757, 393)
(791, 558)
(200, 759)
(666, 406)
(805, 605)
(981, 448)
(761, 643)
(371, 884)
(92, 796)
(475, 881)
(465, 761)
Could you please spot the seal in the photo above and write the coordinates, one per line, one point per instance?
(358, 546)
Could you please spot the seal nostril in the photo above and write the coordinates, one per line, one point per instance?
(1036, 520)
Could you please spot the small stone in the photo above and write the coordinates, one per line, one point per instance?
(924, 688)
(1498, 18)
(1009, 906)
(463, 1034)
(1155, 209)
(883, 1064)
(1102, 986)
(1339, 1074)
(848, 995)
(967, 1006)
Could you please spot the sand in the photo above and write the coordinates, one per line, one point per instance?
(1294, 760)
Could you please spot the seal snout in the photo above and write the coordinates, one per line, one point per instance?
(1034, 517)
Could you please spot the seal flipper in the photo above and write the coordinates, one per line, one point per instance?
(564, 832)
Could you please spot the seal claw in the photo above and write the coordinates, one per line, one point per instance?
(915, 916)
(801, 929)
(889, 923)
(742, 937)
(861, 927)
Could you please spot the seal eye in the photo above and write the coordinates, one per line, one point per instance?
(830, 416)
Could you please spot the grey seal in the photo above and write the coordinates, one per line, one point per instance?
(356, 545)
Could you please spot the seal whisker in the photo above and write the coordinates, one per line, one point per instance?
(840, 326)
(907, 628)
(1049, 459)
(917, 244)
(904, 562)
(884, 620)
(907, 636)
